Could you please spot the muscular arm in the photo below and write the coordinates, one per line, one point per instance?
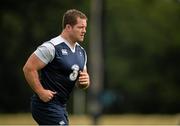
(30, 70)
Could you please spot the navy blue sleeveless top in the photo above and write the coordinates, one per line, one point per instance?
(61, 74)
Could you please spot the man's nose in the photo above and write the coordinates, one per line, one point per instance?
(84, 30)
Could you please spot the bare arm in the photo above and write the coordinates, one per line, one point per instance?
(30, 70)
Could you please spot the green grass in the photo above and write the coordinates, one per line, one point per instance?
(125, 119)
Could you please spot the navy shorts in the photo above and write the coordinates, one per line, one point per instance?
(48, 113)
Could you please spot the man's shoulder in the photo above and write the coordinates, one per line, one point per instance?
(56, 40)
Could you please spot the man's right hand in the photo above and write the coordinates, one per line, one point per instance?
(46, 95)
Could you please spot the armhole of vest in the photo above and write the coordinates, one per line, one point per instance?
(85, 57)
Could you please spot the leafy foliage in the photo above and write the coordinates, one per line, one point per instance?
(143, 52)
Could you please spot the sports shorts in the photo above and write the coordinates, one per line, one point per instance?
(48, 113)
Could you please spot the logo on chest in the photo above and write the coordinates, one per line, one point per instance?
(64, 51)
(80, 53)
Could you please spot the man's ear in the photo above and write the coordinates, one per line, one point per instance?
(68, 27)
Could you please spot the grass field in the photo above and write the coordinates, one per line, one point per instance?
(125, 119)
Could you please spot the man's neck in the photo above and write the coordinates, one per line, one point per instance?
(67, 38)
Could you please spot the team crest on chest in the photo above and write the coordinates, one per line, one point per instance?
(64, 51)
